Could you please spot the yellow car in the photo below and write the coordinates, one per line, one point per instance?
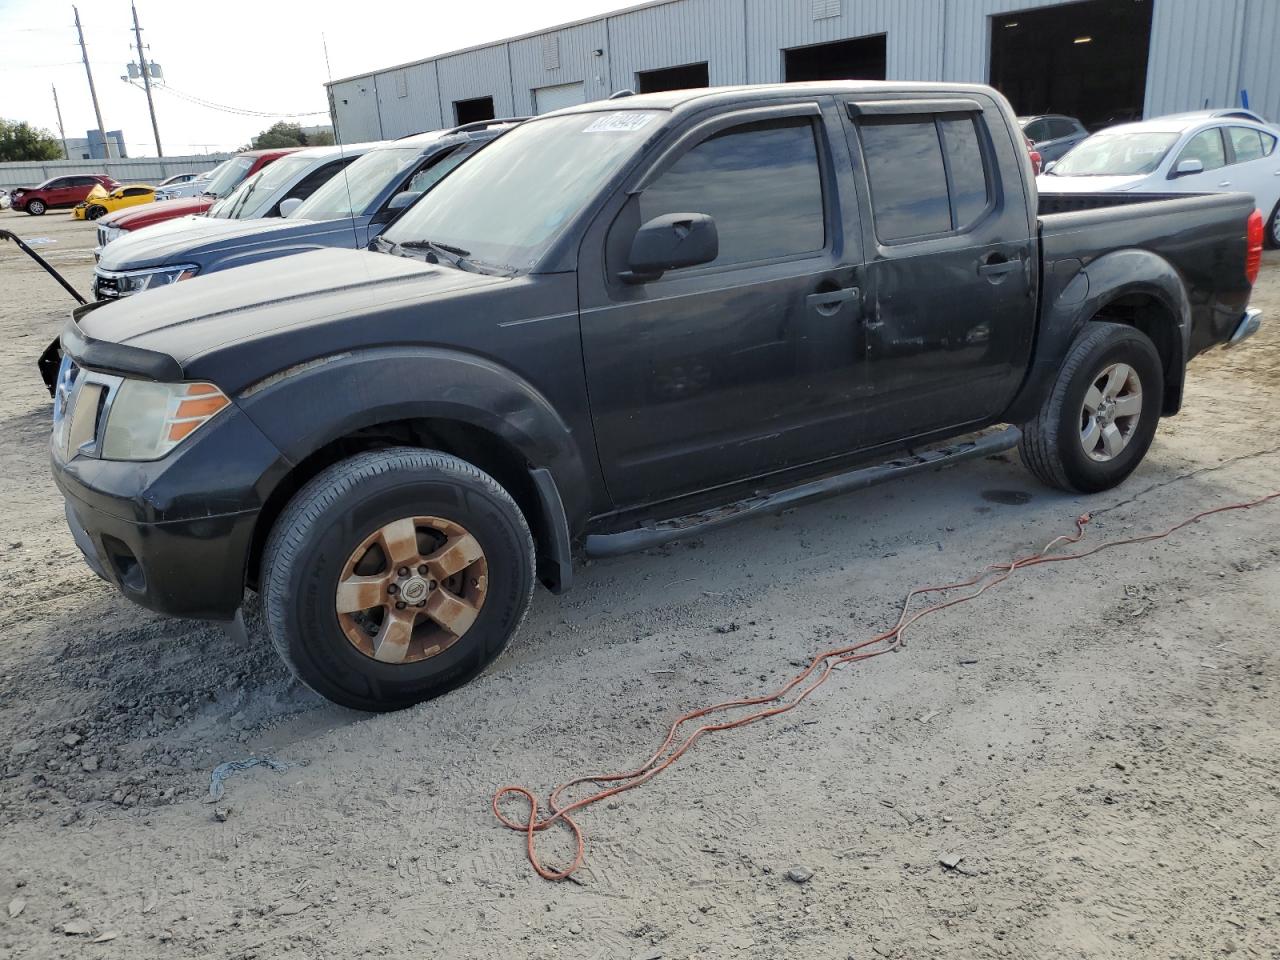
(100, 202)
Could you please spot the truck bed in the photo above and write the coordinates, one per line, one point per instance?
(1073, 202)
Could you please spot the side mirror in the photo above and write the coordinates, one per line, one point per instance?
(670, 242)
(1187, 167)
(400, 201)
(1049, 166)
(289, 204)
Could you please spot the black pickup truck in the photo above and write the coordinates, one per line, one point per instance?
(616, 325)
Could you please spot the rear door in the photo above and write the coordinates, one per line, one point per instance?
(1254, 166)
(950, 307)
(748, 364)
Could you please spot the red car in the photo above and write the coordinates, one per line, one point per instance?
(226, 177)
(59, 192)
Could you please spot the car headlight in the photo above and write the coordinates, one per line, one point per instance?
(135, 281)
(107, 234)
(145, 420)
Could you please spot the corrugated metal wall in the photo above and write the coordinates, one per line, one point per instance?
(142, 170)
(483, 72)
(1201, 50)
(674, 34)
(913, 29)
(573, 52)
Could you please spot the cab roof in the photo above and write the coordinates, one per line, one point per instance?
(677, 100)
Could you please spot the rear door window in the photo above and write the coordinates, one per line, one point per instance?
(759, 181)
(928, 174)
(1246, 143)
(1206, 146)
(1037, 130)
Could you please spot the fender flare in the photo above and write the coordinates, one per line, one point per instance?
(1079, 298)
(306, 407)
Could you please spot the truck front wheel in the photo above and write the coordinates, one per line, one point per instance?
(1099, 419)
(395, 576)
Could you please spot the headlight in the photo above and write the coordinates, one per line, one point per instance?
(135, 281)
(146, 420)
(107, 234)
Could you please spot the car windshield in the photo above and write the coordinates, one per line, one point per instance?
(253, 197)
(365, 178)
(1116, 155)
(507, 204)
(228, 176)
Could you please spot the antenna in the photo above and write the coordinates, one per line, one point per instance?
(346, 181)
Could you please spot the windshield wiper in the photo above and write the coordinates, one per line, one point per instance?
(436, 251)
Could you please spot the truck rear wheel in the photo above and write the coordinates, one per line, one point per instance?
(395, 576)
(1099, 419)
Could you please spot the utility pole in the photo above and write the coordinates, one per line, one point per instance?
(66, 154)
(146, 80)
(93, 93)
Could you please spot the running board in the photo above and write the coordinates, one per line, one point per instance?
(656, 534)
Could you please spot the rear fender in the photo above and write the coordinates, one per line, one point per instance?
(1075, 294)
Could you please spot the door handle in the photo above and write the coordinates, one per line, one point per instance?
(997, 266)
(829, 302)
(1225, 183)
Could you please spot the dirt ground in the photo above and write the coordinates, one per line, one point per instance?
(1098, 741)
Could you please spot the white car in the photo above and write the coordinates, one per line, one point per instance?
(186, 184)
(4, 199)
(1186, 154)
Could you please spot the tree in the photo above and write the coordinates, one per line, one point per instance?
(284, 134)
(21, 141)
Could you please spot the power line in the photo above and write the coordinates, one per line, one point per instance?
(239, 111)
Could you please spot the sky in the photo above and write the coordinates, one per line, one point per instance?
(260, 55)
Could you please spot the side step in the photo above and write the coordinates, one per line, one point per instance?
(664, 531)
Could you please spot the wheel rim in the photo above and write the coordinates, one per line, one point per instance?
(411, 589)
(1111, 411)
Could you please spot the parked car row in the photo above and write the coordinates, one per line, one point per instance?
(597, 331)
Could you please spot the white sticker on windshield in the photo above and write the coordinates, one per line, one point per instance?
(622, 122)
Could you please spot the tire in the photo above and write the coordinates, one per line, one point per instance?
(1055, 446)
(310, 550)
(1271, 235)
(35, 208)
(94, 212)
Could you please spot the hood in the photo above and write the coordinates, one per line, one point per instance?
(237, 331)
(202, 238)
(131, 218)
(1047, 183)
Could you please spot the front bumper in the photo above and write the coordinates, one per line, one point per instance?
(1246, 328)
(174, 535)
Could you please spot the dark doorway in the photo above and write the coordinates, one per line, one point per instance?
(469, 111)
(1087, 60)
(862, 58)
(673, 78)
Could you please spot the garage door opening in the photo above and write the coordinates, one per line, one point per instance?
(470, 111)
(862, 58)
(687, 77)
(1087, 60)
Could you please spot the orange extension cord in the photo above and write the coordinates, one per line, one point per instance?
(673, 747)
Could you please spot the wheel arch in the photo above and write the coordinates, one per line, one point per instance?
(458, 404)
(1134, 287)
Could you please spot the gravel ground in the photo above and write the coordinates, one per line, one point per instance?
(1094, 746)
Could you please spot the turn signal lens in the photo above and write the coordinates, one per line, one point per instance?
(1253, 254)
(147, 419)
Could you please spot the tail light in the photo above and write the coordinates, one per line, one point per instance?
(1253, 254)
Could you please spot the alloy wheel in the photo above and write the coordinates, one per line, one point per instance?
(1111, 412)
(411, 589)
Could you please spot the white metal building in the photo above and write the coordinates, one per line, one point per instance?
(1101, 60)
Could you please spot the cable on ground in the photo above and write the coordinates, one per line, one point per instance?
(793, 692)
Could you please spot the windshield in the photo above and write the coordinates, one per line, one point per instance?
(350, 195)
(1115, 155)
(226, 176)
(253, 197)
(507, 204)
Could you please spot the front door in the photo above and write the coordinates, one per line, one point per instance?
(950, 307)
(744, 365)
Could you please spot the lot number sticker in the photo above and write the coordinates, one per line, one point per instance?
(622, 122)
